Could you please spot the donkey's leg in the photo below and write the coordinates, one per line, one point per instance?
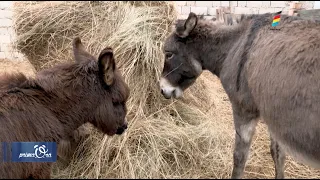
(245, 125)
(278, 157)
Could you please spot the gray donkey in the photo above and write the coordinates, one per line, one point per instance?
(272, 73)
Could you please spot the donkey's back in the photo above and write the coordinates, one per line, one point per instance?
(284, 76)
(20, 107)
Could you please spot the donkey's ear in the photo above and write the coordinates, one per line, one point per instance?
(79, 52)
(189, 25)
(107, 65)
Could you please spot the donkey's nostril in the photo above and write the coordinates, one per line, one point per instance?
(161, 91)
(125, 126)
(120, 130)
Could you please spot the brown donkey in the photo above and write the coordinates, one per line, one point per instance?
(57, 101)
(268, 73)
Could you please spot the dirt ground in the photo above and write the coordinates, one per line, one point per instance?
(259, 164)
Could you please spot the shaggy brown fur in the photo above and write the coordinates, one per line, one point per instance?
(58, 101)
(67, 147)
(268, 73)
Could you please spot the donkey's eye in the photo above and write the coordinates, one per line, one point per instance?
(188, 77)
(118, 103)
(185, 78)
(169, 55)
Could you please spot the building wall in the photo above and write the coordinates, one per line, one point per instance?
(316, 5)
(208, 8)
(7, 34)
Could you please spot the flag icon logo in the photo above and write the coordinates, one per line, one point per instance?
(276, 19)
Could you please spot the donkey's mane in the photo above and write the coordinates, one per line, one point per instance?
(80, 72)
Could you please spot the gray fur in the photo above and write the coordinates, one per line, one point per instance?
(269, 74)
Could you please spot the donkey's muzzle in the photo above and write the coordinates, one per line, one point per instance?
(121, 129)
(165, 94)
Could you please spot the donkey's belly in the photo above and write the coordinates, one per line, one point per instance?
(302, 149)
(301, 157)
(296, 128)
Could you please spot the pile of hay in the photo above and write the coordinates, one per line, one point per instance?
(165, 138)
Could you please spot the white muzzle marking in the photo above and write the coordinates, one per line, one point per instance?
(168, 90)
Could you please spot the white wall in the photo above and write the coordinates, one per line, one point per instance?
(316, 5)
(208, 8)
(7, 33)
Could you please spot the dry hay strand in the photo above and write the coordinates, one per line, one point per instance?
(14, 66)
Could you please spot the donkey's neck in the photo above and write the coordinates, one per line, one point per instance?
(218, 41)
(69, 112)
(68, 102)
